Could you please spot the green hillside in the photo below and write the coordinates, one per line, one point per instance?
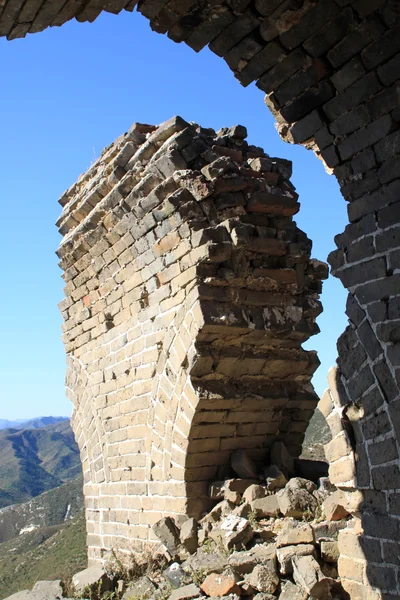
(50, 508)
(33, 461)
(55, 552)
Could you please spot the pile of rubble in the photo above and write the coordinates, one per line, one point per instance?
(270, 535)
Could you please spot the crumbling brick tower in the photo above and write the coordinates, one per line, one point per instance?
(189, 291)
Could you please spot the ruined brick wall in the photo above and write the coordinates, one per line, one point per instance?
(189, 291)
(330, 69)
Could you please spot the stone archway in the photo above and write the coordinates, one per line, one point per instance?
(330, 71)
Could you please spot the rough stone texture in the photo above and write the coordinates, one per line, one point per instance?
(189, 291)
(330, 72)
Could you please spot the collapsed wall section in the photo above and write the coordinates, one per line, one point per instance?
(189, 291)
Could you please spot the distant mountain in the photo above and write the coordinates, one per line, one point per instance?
(317, 436)
(53, 552)
(5, 423)
(56, 506)
(35, 460)
(30, 423)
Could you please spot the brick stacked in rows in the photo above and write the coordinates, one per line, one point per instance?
(189, 291)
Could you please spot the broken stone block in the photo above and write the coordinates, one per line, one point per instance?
(187, 592)
(327, 529)
(280, 457)
(253, 492)
(188, 535)
(168, 533)
(265, 507)
(307, 574)
(325, 485)
(141, 588)
(294, 533)
(216, 490)
(263, 596)
(233, 532)
(243, 510)
(242, 464)
(175, 575)
(220, 510)
(48, 590)
(290, 591)
(240, 485)
(329, 551)
(233, 497)
(333, 507)
(295, 500)
(219, 585)
(274, 478)
(93, 576)
(264, 578)
(205, 563)
(219, 167)
(244, 562)
(285, 555)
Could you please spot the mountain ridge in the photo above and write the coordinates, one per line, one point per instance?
(35, 460)
(35, 423)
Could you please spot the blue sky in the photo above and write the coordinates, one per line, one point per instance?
(68, 92)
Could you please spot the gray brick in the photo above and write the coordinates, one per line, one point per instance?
(391, 554)
(295, 61)
(234, 33)
(306, 102)
(387, 147)
(381, 526)
(385, 101)
(378, 311)
(370, 203)
(386, 381)
(350, 121)
(348, 74)
(382, 49)
(382, 577)
(360, 383)
(389, 72)
(311, 21)
(367, 136)
(306, 128)
(389, 215)
(360, 91)
(328, 35)
(388, 239)
(361, 250)
(353, 310)
(381, 452)
(368, 271)
(368, 339)
(355, 41)
(372, 401)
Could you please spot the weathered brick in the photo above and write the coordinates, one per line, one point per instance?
(356, 93)
(387, 147)
(311, 21)
(382, 49)
(306, 102)
(389, 72)
(280, 72)
(367, 136)
(355, 41)
(374, 201)
(380, 452)
(328, 35)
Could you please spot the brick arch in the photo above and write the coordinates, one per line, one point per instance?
(330, 71)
